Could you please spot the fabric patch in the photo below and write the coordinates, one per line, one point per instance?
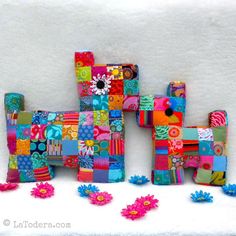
(86, 147)
(203, 176)
(22, 147)
(86, 103)
(161, 132)
(40, 118)
(101, 148)
(206, 148)
(116, 102)
(39, 146)
(69, 147)
(70, 161)
(130, 72)
(23, 132)
(54, 132)
(205, 134)
(100, 102)
(86, 132)
(175, 132)
(206, 162)
(147, 103)
(86, 162)
(131, 87)
(131, 103)
(24, 163)
(70, 132)
(24, 118)
(190, 133)
(101, 118)
(38, 131)
(116, 72)
(86, 118)
(117, 87)
(220, 163)
(84, 89)
(84, 74)
(102, 133)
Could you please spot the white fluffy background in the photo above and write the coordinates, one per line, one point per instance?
(190, 40)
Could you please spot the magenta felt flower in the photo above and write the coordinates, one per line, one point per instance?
(148, 202)
(8, 186)
(133, 212)
(43, 190)
(100, 198)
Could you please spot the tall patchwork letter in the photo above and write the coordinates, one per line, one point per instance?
(176, 147)
(91, 140)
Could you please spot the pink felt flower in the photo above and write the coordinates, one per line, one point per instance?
(100, 198)
(133, 212)
(148, 202)
(8, 186)
(43, 190)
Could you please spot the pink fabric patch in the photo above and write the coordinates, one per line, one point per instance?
(131, 103)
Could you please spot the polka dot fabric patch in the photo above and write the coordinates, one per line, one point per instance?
(177, 147)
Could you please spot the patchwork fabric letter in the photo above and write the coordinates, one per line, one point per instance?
(91, 139)
(176, 147)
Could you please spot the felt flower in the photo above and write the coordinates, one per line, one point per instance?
(100, 198)
(86, 190)
(8, 186)
(148, 202)
(230, 189)
(43, 190)
(200, 196)
(138, 180)
(100, 85)
(133, 212)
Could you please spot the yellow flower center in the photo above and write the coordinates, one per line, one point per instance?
(89, 143)
(100, 198)
(133, 212)
(146, 203)
(115, 72)
(87, 191)
(42, 190)
(200, 199)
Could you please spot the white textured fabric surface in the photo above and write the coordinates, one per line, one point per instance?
(190, 40)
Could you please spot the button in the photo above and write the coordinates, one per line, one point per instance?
(100, 84)
(169, 112)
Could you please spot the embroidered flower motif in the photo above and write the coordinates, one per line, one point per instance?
(101, 84)
(138, 180)
(133, 212)
(100, 198)
(86, 147)
(86, 190)
(174, 132)
(177, 144)
(8, 186)
(148, 202)
(176, 162)
(116, 71)
(43, 190)
(200, 196)
(230, 189)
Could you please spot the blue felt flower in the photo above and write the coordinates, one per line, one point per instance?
(200, 196)
(138, 180)
(86, 190)
(230, 189)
